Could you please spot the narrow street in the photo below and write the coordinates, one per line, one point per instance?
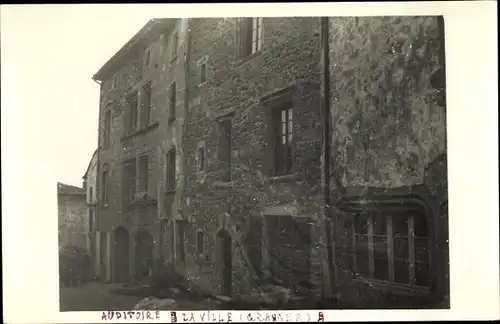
(96, 296)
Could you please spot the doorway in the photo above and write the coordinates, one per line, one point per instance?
(224, 244)
(143, 255)
(121, 252)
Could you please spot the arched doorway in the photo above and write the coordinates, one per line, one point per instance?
(225, 261)
(121, 255)
(143, 255)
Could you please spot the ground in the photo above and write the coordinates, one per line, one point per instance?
(96, 296)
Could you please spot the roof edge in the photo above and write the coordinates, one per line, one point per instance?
(129, 45)
(90, 163)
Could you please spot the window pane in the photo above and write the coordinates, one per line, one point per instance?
(379, 223)
(420, 225)
(290, 126)
(361, 224)
(400, 225)
(422, 273)
(421, 249)
(380, 246)
(381, 269)
(283, 139)
(362, 245)
(401, 248)
(290, 115)
(283, 116)
(283, 128)
(401, 271)
(363, 266)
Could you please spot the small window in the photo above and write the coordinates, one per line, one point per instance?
(392, 246)
(171, 159)
(201, 158)
(283, 140)
(172, 102)
(107, 129)
(105, 187)
(147, 58)
(146, 104)
(175, 45)
(199, 242)
(132, 112)
(91, 220)
(91, 194)
(250, 36)
(129, 180)
(144, 174)
(203, 72)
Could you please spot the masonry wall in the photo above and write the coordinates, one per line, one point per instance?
(289, 59)
(387, 128)
(143, 215)
(72, 220)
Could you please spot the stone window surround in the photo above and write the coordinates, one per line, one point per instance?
(199, 63)
(201, 145)
(411, 204)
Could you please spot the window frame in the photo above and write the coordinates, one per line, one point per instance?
(175, 45)
(250, 34)
(181, 246)
(282, 154)
(171, 170)
(132, 102)
(130, 186)
(144, 174)
(145, 113)
(172, 102)
(200, 242)
(389, 212)
(107, 129)
(105, 184)
(201, 158)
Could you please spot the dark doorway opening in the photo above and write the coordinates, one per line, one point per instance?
(121, 259)
(226, 261)
(143, 255)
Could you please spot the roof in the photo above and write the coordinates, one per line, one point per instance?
(64, 189)
(90, 163)
(153, 26)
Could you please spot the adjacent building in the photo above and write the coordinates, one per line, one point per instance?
(71, 216)
(217, 137)
(388, 160)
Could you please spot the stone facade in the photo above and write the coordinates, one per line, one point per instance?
(149, 60)
(72, 217)
(225, 218)
(388, 137)
(238, 88)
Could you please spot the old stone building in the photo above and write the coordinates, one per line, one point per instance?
(253, 189)
(214, 149)
(72, 218)
(138, 126)
(388, 160)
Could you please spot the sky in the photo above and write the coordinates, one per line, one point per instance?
(53, 59)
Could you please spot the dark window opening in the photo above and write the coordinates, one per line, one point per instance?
(144, 172)
(203, 72)
(199, 242)
(181, 256)
(171, 170)
(130, 180)
(105, 187)
(132, 109)
(201, 158)
(146, 105)
(172, 102)
(283, 141)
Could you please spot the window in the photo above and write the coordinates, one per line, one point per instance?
(144, 174)
(199, 242)
(392, 247)
(180, 241)
(175, 44)
(250, 36)
(283, 141)
(114, 81)
(107, 129)
(129, 180)
(171, 157)
(225, 149)
(146, 105)
(173, 102)
(203, 72)
(91, 220)
(132, 112)
(201, 158)
(91, 194)
(105, 187)
(147, 58)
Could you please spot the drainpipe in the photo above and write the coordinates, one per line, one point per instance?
(96, 210)
(326, 150)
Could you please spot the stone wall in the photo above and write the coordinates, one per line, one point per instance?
(289, 60)
(72, 220)
(387, 128)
